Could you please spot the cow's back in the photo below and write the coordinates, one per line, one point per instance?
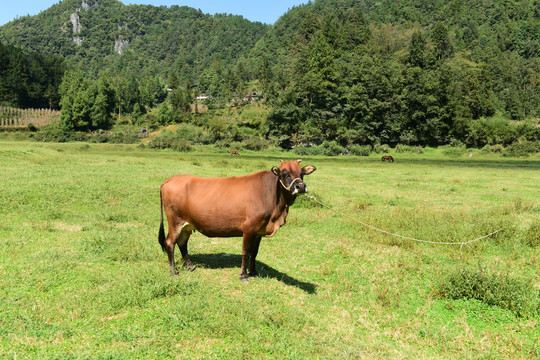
(218, 206)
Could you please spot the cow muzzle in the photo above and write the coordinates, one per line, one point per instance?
(295, 187)
(299, 188)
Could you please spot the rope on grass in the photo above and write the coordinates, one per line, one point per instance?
(462, 243)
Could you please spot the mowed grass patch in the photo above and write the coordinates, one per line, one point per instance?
(83, 276)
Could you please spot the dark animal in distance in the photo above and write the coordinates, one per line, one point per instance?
(234, 152)
(387, 158)
(251, 206)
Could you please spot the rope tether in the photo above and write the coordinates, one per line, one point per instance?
(288, 188)
(401, 236)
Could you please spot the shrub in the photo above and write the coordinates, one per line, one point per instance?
(489, 131)
(162, 141)
(50, 134)
(222, 144)
(120, 137)
(181, 145)
(194, 134)
(98, 138)
(455, 150)
(332, 148)
(56, 134)
(124, 137)
(381, 148)
(303, 150)
(360, 150)
(522, 149)
(408, 148)
(254, 143)
(170, 140)
(497, 149)
(32, 127)
(503, 291)
(456, 144)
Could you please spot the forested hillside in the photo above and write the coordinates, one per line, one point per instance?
(135, 39)
(403, 71)
(333, 73)
(29, 80)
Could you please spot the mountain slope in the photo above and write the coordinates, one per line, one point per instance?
(98, 34)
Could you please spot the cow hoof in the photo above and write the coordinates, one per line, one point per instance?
(191, 267)
(174, 273)
(254, 274)
(244, 278)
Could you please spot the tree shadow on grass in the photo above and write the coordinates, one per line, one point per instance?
(226, 261)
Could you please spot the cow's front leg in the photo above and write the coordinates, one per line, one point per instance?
(247, 250)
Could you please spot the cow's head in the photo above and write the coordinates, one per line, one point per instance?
(291, 176)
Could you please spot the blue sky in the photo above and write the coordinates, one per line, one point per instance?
(263, 11)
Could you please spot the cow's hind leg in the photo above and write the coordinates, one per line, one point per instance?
(182, 241)
(169, 247)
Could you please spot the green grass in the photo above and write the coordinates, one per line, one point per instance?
(82, 275)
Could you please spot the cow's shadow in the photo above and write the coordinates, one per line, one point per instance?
(226, 261)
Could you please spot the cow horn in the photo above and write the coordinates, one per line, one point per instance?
(299, 161)
(281, 161)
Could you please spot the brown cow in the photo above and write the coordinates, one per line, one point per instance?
(234, 152)
(387, 158)
(251, 206)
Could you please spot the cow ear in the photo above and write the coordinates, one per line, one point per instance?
(308, 169)
(276, 171)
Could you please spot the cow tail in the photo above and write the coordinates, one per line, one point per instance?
(161, 236)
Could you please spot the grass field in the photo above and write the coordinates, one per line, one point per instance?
(82, 275)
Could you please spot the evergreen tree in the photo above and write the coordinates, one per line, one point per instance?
(417, 50)
(442, 47)
(264, 75)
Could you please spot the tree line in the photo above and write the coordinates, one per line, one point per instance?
(354, 76)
